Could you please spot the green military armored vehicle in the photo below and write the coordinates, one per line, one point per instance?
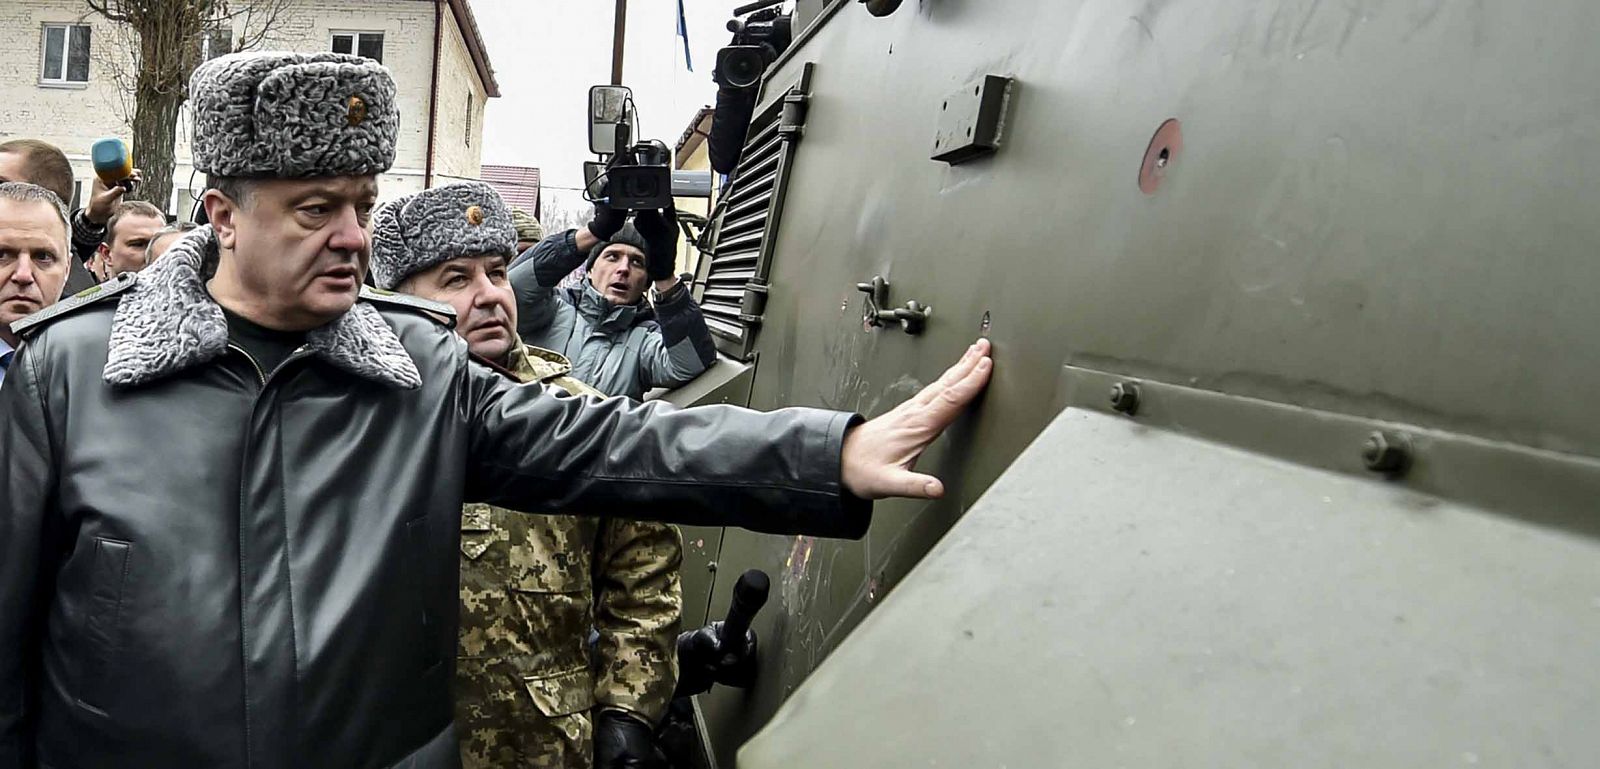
(1290, 458)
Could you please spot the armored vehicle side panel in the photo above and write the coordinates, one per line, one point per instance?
(1372, 215)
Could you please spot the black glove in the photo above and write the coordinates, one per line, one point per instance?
(701, 663)
(660, 232)
(624, 742)
(607, 221)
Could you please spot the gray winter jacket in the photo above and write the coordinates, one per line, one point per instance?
(617, 350)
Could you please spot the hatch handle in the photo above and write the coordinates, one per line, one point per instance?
(913, 317)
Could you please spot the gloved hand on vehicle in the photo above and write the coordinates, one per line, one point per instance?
(622, 741)
(701, 663)
(660, 232)
(607, 221)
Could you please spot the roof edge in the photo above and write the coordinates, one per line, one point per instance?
(468, 24)
(694, 134)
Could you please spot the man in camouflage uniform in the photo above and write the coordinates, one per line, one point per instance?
(532, 587)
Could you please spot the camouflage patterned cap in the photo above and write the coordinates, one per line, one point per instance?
(417, 231)
(293, 115)
(527, 227)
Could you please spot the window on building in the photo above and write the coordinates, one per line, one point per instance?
(469, 120)
(216, 42)
(368, 44)
(66, 54)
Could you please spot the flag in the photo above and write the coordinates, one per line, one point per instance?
(683, 32)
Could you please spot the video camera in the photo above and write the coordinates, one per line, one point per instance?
(629, 176)
(758, 41)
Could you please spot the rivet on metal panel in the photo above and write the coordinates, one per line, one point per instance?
(1125, 398)
(1159, 155)
(1387, 452)
(711, 566)
(983, 324)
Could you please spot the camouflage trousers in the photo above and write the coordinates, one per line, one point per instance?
(509, 720)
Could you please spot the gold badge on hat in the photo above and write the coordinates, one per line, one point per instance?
(357, 110)
(474, 215)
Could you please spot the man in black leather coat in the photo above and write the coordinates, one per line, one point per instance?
(229, 511)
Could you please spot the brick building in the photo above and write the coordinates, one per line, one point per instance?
(59, 84)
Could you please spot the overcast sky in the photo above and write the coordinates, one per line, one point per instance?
(546, 54)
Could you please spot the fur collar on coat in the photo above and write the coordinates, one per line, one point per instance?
(168, 322)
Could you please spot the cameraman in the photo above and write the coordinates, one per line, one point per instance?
(618, 343)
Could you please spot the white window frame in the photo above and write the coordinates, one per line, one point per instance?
(355, 39)
(66, 28)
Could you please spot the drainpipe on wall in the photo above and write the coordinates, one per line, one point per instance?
(433, 89)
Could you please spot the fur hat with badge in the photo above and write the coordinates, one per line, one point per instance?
(417, 231)
(293, 116)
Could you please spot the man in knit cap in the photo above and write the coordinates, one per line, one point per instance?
(230, 517)
(617, 341)
(533, 586)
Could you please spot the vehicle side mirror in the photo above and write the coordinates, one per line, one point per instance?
(608, 111)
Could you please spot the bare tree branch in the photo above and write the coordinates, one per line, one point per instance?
(111, 10)
(119, 62)
(161, 44)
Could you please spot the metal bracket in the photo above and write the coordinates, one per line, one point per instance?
(1537, 485)
(972, 120)
(913, 317)
(792, 118)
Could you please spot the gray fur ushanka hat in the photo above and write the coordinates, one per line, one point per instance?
(420, 230)
(293, 115)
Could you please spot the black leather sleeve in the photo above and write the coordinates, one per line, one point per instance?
(26, 487)
(776, 472)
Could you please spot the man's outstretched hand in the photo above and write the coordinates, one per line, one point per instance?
(879, 455)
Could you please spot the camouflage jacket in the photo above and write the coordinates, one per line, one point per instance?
(532, 588)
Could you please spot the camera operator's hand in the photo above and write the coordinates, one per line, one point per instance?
(623, 742)
(701, 663)
(103, 200)
(660, 232)
(606, 222)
